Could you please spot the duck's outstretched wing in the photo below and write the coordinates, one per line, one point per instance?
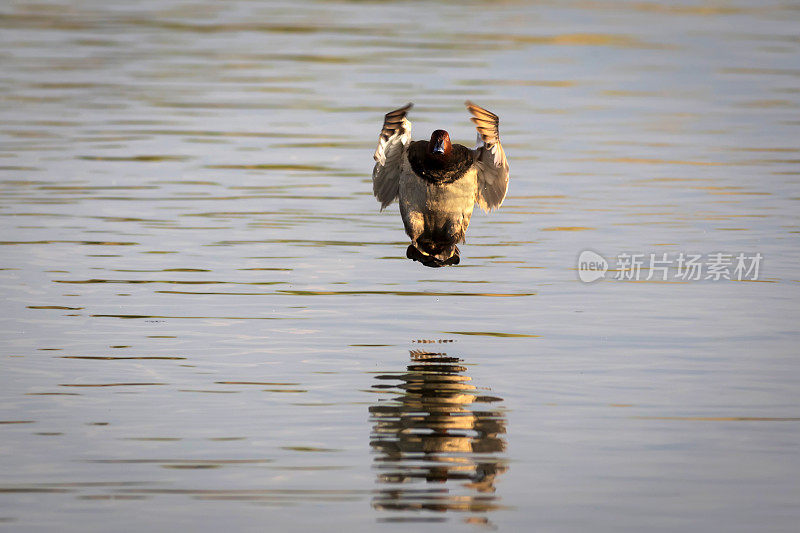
(489, 158)
(395, 138)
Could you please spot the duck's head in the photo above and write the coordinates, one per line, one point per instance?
(439, 146)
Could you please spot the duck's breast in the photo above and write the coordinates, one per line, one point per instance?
(432, 209)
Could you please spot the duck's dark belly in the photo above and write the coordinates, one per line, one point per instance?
(433, 212)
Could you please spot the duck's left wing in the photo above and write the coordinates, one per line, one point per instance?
(490, 158)
(395, 138)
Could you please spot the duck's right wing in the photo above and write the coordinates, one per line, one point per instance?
(392, 144)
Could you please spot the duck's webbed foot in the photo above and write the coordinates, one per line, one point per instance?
(412, 252)
(454, 259)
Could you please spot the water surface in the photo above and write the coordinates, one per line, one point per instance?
(207, 323)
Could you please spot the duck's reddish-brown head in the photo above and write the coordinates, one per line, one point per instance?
(439, 145)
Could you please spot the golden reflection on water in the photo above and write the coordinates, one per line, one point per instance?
(438, 441)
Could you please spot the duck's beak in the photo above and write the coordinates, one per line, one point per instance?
(438, 148)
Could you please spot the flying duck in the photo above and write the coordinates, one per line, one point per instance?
(438, 183)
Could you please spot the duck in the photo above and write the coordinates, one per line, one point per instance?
(437, 183)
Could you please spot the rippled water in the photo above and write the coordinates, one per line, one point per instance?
(207, 323)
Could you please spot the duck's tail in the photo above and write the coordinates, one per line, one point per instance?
(433, 254)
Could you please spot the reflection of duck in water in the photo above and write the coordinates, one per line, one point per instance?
(431, 433)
